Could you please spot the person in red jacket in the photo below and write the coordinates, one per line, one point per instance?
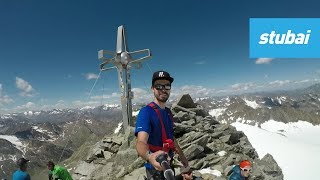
(241, 171)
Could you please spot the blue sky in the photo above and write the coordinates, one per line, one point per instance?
(48, 48)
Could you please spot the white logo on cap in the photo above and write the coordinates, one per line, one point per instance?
(161, 74)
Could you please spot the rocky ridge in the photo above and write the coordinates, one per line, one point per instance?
(208, 145)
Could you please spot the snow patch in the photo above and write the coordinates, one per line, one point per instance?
(201, 98)
(55, 112)
(44, 131)
(118, 128)
(6, 116)
(28, 113)
(15, 141)
(13, 158)
(297, 138)
(210, 171)
(86, 107)
(89, 121)
(222, 153)
(281, 99)
(135, 113)
(217, 112)
(224, 122)
(252, 104)
(36, 113)
(107, 106)
(301, 131)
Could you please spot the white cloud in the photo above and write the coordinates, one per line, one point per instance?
(250, 86)
(27, 106)
(142, 95)
(139, 96)
(279, 83)
(303, 81)
(106, 96)
(61, 101)
(90, 76)
(25, 87)
(139, 91)
(263, 60)
(194, 91)
(80, 103)
(60, 104)
(4, 99)
(243, 86)
(197, 90)
(200, 62)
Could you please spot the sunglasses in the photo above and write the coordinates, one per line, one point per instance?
(162, 87)
(245, 170)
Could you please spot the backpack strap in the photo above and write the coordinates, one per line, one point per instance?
(163, 130)
(167, 144)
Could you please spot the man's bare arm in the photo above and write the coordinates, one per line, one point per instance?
(142, 148)
(142, 145)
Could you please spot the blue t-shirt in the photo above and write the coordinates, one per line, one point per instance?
(149, 122)
(20, 175)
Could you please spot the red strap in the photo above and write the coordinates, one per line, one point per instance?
(154, 148)
(167, 143)
(163, 130)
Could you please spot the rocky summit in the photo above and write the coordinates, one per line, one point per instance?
(212, 149)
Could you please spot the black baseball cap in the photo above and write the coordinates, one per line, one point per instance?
(161, 75)
(22, 161)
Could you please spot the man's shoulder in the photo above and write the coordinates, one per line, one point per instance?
(146, 109)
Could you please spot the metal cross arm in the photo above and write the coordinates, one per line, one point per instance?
(142, 58)
(105, 60)
(123, 59)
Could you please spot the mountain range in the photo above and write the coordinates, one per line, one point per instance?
(51, 135)
(59, 133)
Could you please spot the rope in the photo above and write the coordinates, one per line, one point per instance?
(103, 90)
(79, 115)
(149, 67)
(151, 96)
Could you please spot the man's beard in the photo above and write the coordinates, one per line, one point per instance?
(161, 97)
